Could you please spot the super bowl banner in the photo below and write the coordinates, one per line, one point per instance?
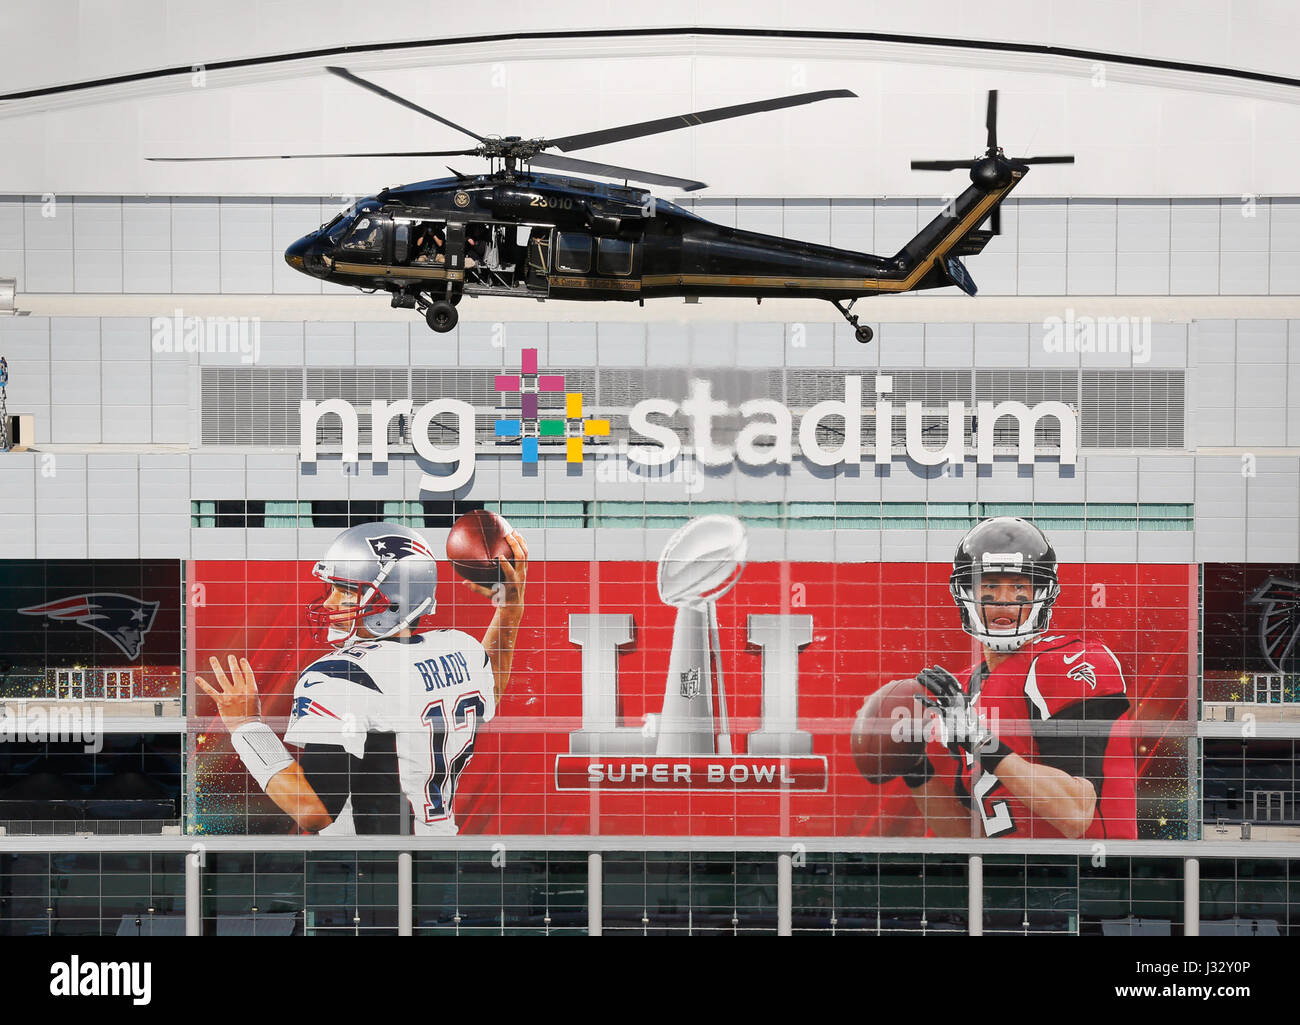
(399, 685)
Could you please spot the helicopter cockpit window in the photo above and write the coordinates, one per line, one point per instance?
(341, 223)
(573, 252)
(334, 229)
(613, 256)
(366, 237)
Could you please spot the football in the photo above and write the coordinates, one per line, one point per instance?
(475, 542)
(702, 561)
(886, 742)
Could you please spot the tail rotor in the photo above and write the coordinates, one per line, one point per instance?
(993, 169)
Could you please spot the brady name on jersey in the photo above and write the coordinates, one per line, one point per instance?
(406, 712)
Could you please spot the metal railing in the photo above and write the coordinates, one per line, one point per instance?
(90, 827)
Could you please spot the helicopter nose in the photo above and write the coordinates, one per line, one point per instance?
(305, 256)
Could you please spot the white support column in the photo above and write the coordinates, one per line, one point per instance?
(1191, 897)
(784, 895)
(193, 895)
(975, 896)
(404, 888)
(595, 900)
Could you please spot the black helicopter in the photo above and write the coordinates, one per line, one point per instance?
(517, 232)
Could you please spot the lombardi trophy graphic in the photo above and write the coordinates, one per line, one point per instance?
(700, 563)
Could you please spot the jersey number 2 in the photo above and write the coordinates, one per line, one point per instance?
(435, 717)
(996, 814)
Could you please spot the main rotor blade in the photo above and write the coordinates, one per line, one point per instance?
(940, 165)
(1045, 160)
(995, 222)
(586, 140)
(378, 90)
(614, 171)
(991, 120)
(316, 156)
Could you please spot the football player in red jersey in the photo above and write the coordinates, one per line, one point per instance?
(1030, 745)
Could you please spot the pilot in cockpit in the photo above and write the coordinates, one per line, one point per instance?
(367, 236)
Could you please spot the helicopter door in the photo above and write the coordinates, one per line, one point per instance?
(401, 242)
(536, 240)
(454, 247)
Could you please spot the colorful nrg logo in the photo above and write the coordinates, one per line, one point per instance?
(531, 427)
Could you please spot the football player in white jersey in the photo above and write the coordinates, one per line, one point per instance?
(386, 722)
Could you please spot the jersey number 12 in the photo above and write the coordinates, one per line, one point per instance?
(466, 715)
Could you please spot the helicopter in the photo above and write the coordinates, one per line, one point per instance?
(518, 232)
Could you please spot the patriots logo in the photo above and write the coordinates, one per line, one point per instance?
(395, 546)
(124, 620)
(303, 705)
(1279, 623)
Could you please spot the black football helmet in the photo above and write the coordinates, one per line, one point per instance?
(1004, 544)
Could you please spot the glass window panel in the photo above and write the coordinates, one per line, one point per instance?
(613, 256)
(573, 252)
(1049, 524)
(902, 523)
(1111, 510)
(959, 510)
(1024, 509)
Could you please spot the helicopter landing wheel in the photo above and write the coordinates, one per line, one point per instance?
(861, 332)
(441, 316)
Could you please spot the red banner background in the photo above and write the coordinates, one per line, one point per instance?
(872, 623)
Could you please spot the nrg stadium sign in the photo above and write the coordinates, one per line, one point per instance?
(767, 438)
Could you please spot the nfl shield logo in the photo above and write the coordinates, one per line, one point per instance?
(691, 683)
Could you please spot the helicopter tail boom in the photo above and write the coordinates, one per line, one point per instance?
(932, 258)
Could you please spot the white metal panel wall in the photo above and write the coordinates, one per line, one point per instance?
(197, 245)
(1243, 381)
(97, 235)
(12, 231)
(146, 245)
(1141, 130)
(103, 42)
(108, 505)
(90, 381)
(18, 511)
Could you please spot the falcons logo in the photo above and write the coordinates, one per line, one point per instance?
(1279, 623)
(119, 617)
(395, 546)
(1085, 673)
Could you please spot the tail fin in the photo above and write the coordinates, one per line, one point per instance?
(937, 248)
(936, 251)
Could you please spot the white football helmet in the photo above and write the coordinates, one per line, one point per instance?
(392, 572)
